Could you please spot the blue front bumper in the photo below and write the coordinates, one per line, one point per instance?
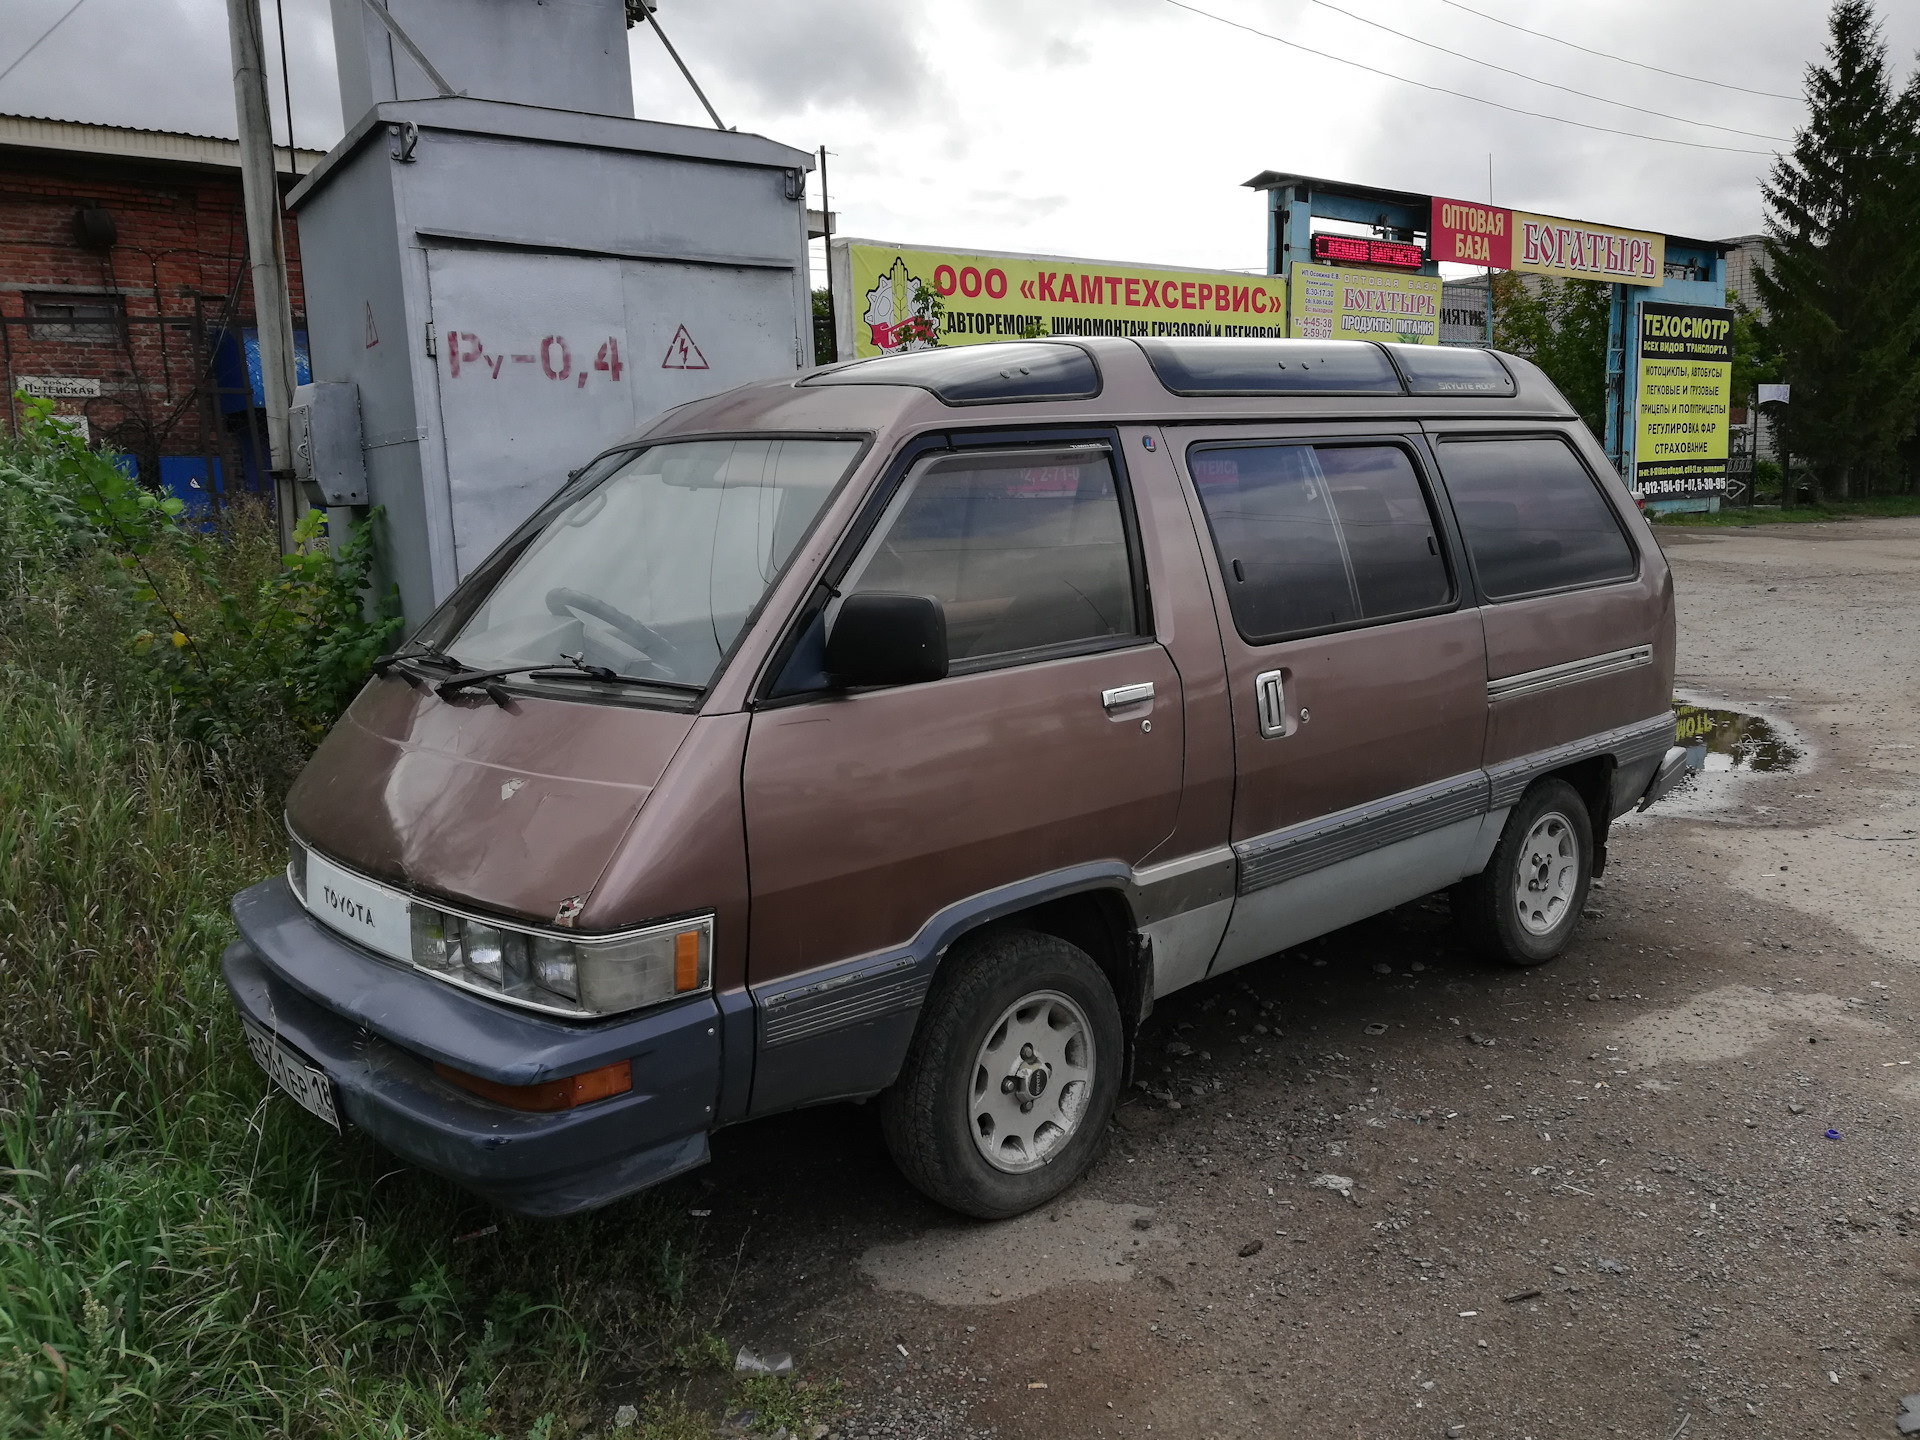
(376, 1028)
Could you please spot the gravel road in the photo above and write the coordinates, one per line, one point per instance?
(1602, 1198)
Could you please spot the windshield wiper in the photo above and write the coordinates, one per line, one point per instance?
(408, 657)
(427, 654)
(547, 670)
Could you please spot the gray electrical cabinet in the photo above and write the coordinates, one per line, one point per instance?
(513, 287)
(324, 435)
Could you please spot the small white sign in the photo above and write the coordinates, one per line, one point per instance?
(59, 387)
(358, 908)
(79, 424)
(1775, 394)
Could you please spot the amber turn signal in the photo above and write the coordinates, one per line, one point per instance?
(562, 1094)
(686, 961)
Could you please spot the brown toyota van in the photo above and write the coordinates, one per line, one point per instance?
(904, 730)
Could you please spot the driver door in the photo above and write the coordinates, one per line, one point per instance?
(869, 813)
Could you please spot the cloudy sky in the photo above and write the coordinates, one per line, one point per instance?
(1117, 129)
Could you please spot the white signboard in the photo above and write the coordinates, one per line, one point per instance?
(79, 424)
(58, 387)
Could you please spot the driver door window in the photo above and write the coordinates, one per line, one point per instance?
(1026, 551)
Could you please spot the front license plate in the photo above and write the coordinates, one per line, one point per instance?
(288, 1069)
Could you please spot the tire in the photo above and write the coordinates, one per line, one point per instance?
(976, 1123)
(1522, 909)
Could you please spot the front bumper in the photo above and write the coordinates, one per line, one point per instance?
(376, 1027)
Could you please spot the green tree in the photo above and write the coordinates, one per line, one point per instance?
(1754, 361)
(822, 328)
(1560, 325)
(1842, 280)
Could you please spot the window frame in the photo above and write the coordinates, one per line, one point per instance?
(90, 330)
(808, 616)
(1425, 472)
(1439, 440)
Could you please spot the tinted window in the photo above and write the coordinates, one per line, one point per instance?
(1271, 367)
(980, 374)
(1023, 549)
(1315, 537)
(1532, 516)
(1451, 370)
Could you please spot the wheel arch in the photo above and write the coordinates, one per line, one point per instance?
(841, 1032)
(1592, 781)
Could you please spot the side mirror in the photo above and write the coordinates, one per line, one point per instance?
(881, 639)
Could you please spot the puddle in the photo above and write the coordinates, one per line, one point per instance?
(1724, 747)
(1732, 741)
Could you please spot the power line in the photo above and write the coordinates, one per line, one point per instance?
(1619, 59)
(1461, 94)
(1551, 85)
(43, 35)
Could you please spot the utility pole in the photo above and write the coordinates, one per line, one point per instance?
(266, 247)
(826, 225)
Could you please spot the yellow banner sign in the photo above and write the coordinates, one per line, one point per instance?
(919, 299)
(1575, 250)
(1330, 304)
(1685, 384)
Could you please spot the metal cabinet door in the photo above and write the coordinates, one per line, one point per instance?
(545, 360)
(1358, 782)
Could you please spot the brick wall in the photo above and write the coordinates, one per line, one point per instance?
(177, 270)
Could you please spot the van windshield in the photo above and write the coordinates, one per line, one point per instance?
(652, 572)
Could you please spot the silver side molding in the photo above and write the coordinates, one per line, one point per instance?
(1627, 744)
(1314, 844)
(1532, 682)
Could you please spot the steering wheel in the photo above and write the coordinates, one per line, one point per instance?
(563, 600)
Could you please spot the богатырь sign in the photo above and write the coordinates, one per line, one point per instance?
(1470, 234)
(1333, 304)
(1685, 380)
(985, 297)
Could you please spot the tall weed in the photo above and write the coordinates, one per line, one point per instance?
(183, 1254)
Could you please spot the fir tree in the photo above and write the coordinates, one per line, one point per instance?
(1842, 280)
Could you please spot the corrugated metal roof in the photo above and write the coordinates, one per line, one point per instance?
(34, 132)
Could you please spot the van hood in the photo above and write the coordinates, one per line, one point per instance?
(513, 810)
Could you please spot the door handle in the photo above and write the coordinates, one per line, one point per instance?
(1122, 695)
(1270, 697)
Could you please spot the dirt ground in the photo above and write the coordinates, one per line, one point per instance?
(1663, 1187)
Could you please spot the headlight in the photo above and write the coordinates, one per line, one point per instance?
(580, 976)
(565, 974)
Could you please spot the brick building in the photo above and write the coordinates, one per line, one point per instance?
(124, 293)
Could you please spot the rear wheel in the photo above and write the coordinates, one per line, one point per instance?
(1523, 907)
(1012, 1076)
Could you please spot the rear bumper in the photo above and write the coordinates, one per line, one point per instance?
(376, 1027)
(1670, 772)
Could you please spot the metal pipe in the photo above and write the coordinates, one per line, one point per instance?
(418, 55)
(266, 252)
(712, 114)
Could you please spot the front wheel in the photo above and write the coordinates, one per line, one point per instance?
(1522, 908)
(1012, 1076)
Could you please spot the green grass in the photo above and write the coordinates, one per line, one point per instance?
(1738, 515)
(182, 1253)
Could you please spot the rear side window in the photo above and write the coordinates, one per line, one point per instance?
(1316, 537)
(1533, 517)
(1025, 550)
